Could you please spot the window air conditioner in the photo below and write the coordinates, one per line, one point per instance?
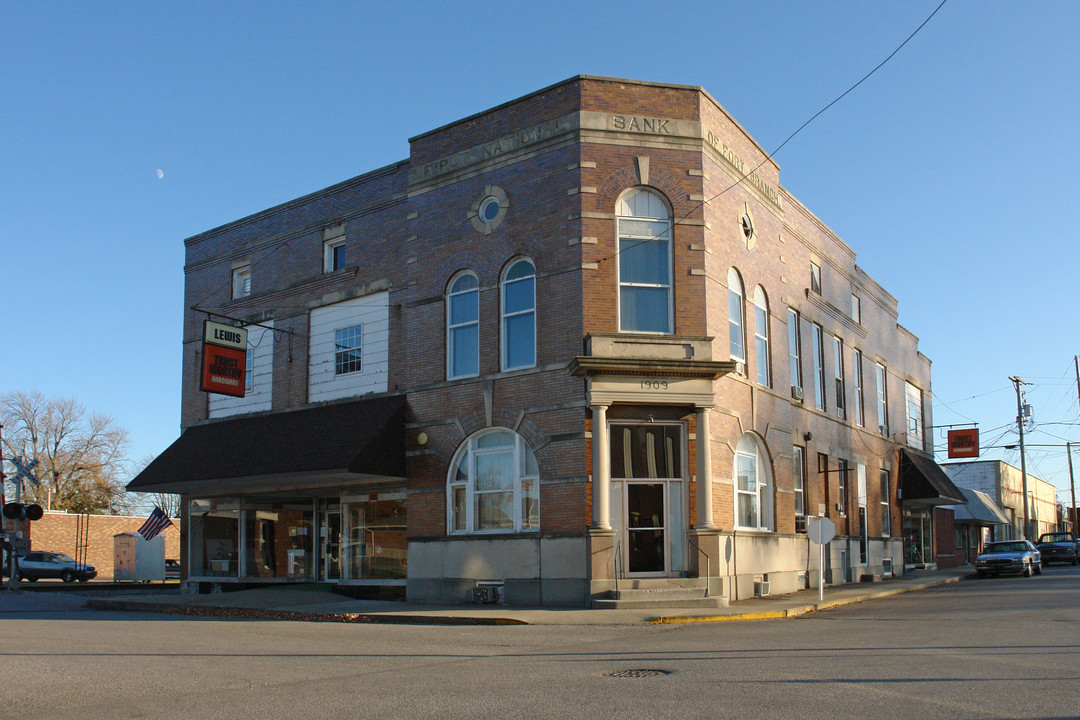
(761, 588)
(886, 567)
(485, 594)
(796, 392)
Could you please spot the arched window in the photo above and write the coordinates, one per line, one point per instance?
(753, 485)
(518, 295)
(463, 327)
(735, 316)
(761, 336)
(494, 485)
(644, 262)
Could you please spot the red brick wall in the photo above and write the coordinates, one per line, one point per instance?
(56, 532)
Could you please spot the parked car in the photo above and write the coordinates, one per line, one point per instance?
(1009, 556)
(36, 565)
(1059, 547)
(172, 569)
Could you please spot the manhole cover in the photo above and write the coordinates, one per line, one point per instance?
(637, 673)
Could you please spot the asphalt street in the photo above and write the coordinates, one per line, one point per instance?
(998, 648)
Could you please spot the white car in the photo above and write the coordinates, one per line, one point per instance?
(36, 565)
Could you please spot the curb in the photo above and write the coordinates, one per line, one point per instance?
(294, 615)
(802, 609)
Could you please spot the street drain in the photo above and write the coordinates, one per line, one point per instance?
(637, 673)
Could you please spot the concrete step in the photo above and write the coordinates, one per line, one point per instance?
(644, 593)
(650, 603)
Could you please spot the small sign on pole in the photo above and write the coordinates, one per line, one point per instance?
(224, 359)
(821, 530)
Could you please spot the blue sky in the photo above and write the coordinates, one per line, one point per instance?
(950, 171)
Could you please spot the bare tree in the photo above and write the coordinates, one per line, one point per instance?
(81, 456)
(168, 502)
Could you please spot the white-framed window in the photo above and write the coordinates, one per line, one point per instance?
(882, 399)
(818, 336)
(645, 260)
(913, 396)
(348, 349)
(463, 327)
(753, 485)
(886, 516)
(735, 316)
(815, 278)
(249, 371)
(838, 376)
(856, 371)
(761, 336)
(241, 282)
(794, 340)
(856, 308)
(334, 255)
(798, 480)
(494, 485)
(518, 295)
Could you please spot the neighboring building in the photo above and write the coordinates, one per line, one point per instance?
(963, 530)
(91, 536)
(581, 336)
(1004, 484)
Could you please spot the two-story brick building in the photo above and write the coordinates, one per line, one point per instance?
(583, 336)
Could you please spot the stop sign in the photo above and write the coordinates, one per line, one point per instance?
(821, 530)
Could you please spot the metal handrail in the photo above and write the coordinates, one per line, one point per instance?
(616, 564)
(708, 563)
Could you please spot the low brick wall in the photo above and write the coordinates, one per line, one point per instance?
(56, 532)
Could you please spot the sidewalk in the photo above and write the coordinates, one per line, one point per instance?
(312, 604)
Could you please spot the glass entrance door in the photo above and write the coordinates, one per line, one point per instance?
(646, 528)
(330, 545)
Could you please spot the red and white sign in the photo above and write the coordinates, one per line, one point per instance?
(224, 359)
(964, 443)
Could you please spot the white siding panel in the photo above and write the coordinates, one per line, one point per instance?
(373, 313)
(261, 346)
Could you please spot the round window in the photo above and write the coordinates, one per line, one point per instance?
(489, 209)
(747, 226)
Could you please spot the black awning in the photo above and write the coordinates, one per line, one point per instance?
(923, 482)
(313, 447)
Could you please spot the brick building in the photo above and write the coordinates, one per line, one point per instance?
(583, 336)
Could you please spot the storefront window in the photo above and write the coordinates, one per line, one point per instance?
(214, 538)
(278, 540)
(374, 536)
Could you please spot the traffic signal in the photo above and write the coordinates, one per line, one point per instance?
(23, 511)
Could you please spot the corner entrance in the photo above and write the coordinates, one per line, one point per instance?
(648, 503)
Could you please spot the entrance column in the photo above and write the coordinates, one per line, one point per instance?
(704, 471)
(601, 470)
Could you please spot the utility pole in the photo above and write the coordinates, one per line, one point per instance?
(1072, 489)
(1023, 460)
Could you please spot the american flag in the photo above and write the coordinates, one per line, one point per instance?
(155, 523)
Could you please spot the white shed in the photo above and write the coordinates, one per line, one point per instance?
(136, 559)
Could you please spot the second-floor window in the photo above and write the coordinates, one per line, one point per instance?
(333, 255)
(838, 376)
(463, 327)
(794, 338)
(914, 415)
(645, 299)
(519, 316)
(856, 373)
(819, 366)
(882, 399)
(761, 336)
(348, 349)
(735, 316)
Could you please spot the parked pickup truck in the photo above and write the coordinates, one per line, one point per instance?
(1059, 547)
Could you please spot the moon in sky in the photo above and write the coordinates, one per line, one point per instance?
(160, 174)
